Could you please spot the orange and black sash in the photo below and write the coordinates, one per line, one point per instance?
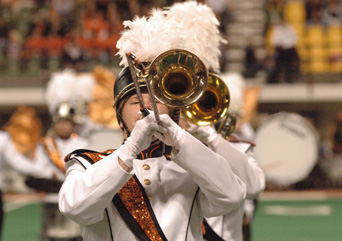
(131, 201)
(134, 207)
(51, 149)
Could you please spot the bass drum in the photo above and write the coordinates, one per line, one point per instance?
(104, 139)
(286, 148)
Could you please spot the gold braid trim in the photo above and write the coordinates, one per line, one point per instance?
(94, 156)
(51, 149)
(133, 199)
(126, 90)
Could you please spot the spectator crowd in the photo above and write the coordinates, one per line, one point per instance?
(71, 31)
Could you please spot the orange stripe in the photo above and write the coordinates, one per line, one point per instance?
(153, 150)
(53, 154)
(142, 155)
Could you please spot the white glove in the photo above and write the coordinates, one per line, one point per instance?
(205, 134)
(139, 140)
(174, 135)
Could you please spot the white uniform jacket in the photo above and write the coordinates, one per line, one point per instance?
(196, 182)
(229, 226)
(63, 147)
(15, 159)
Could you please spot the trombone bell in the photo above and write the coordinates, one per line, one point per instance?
(211, 106)
(177, 78)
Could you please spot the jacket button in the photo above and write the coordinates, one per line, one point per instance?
(147, 182)
(146, 167)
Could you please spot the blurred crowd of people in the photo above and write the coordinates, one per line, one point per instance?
(73, 31)
(70, 30)
(288, 36)
(326, 12)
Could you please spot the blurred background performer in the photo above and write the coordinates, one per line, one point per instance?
(100, 106)
(17, 143)
(116, 196)
(237, 224)
(228, 227)
(100, 126)
(243, 106)
(67, 110)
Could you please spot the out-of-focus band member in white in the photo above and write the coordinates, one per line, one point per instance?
(227, 227)
(232, 226)
(137, 192)
(16, 160)
(63, 102)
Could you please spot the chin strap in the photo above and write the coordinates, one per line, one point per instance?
(124, 124)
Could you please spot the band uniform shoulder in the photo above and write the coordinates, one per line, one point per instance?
(89, 155)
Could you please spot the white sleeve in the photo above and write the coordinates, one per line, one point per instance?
(221, 191)
(89, 189)
(20, 162)
(245, 167)
(42, 161)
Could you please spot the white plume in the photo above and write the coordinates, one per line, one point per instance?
(200, 30)
(236, 85)
(146, 37)
(189, 25)
(60, 89)
(84, 86)
(68, 87)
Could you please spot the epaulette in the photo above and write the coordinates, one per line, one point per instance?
(89, 155)
(234, 139)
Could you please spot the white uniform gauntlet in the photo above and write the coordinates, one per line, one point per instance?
(139, 140)
(174, 135)
(205, 134)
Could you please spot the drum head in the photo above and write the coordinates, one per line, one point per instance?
(286, 148)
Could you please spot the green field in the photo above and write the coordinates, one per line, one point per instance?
(298, 220)
(307, 220)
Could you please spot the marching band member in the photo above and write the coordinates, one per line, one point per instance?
(232, 226)
(227, 227)
(16, 160)
(136, 192)
(61, 139)
(18, 140)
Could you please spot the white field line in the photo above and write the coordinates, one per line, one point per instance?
(19, 200)
(313, 210)
(13, 205)
(300, 195)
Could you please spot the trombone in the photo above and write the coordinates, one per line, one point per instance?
(177, 78)
(180, 80)
(212, 107)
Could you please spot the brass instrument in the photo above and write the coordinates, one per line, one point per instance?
(211, 106)
(177, 78)
(227, 125)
